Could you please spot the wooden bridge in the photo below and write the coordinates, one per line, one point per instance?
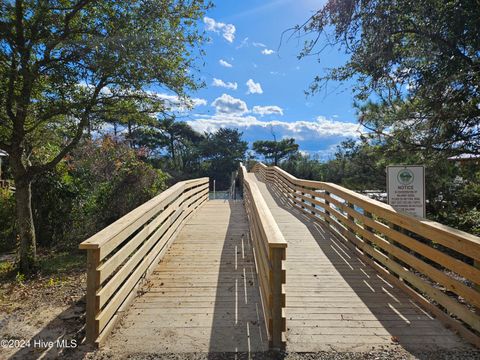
(298, 265)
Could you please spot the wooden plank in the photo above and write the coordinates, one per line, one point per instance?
(93, 282)
(436, 275)
(339, 305)
(453, 306)
(126, 225)
(439, 257)
(458, 240)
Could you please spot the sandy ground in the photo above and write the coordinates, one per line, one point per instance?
(50, 310)
(36, 312)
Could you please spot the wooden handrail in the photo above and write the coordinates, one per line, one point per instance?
(125, 252)
(270, 252)
(424, 258)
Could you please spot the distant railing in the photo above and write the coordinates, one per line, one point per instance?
(125, 252)
(435, 264)
(270, 252)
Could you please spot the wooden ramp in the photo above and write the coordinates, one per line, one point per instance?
(336, 302)
(203, 296)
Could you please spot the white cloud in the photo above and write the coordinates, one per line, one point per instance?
(225, 63)
(267, 52)
(227, 30)
(227, 104)
(259, 44)
(306, 131)
(176, 103)
(253, 87)
(244, 43)
(228, 85)
(267, 110)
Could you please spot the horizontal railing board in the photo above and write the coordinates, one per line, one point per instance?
(127, 251)
(375, 229)
(455, 239)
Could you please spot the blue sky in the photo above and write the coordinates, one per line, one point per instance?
(256, 83)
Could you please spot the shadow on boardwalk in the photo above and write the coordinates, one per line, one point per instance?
(394, 319)
(238, 322)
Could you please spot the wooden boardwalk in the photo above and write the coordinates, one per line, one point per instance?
(203, 296)
(336, 302)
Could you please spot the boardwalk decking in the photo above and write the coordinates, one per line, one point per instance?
(335, 302)
(203, 296)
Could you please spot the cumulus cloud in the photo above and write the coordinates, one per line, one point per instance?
(306, 132)
(225, 63)
(227, 104)
(228, 85)
(176, 103)
(253, 87)
(267, 52)
(267, 110)
(227, 30)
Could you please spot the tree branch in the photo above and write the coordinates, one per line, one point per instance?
(36, 169)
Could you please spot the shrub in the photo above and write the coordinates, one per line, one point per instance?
(7, 223)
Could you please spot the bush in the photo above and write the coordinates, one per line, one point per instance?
(112, 180)
(7, 223)
(100, 182)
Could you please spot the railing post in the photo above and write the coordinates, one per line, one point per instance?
(93, 284)
(477, 286)
(277, 279)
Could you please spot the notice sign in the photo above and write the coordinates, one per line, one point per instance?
(406, 188)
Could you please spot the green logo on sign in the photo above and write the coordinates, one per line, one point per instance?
(405, 177)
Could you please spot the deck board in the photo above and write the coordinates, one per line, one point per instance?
(336, 302)
(203, 296)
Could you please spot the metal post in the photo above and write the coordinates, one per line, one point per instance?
(214, 196)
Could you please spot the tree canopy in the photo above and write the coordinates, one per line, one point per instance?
(416, 65)
(62, 63)
(275, 150)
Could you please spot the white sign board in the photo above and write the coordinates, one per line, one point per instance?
(406, 188)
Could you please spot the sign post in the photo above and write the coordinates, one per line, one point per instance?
(406, 188)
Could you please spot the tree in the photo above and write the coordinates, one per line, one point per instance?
(275, 150)
(223, 150)
(130, 115)
(175, 133)
(416, 65)
(62, 62)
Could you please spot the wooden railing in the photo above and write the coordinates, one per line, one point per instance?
(270, 251)
(435, 264)
(124, 253)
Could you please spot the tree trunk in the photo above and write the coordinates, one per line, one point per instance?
(26, 228)
(172, 148)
